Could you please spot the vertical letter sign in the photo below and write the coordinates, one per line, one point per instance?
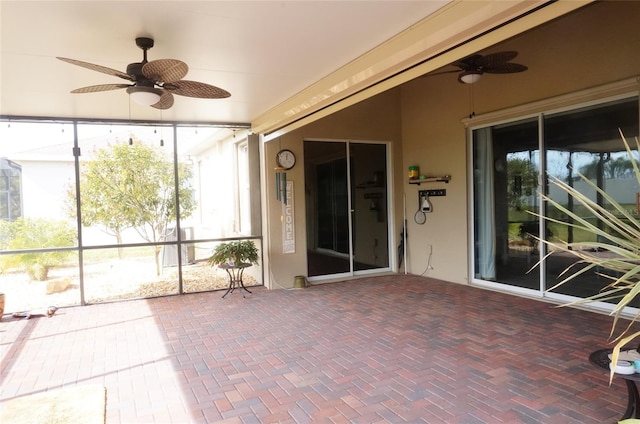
(288, 230)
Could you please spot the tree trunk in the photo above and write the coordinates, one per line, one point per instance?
(119, 241)
(156, 252)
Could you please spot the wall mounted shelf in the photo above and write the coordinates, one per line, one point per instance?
(442, 179)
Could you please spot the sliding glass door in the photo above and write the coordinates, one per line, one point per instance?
(347, 218)
(509, 162)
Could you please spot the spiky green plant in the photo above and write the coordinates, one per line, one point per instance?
(619, 234)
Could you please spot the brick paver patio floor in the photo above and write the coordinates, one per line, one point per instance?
(381, 349)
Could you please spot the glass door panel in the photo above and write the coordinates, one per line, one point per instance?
(505, 192)
(370, 229)
(586, 141)
(327, 187)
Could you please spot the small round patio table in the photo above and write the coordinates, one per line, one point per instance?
(600, 358)
(235, 277)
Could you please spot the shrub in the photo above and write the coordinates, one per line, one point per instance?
(38, 234)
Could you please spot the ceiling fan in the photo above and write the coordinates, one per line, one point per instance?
(472, 67)
(152, 83)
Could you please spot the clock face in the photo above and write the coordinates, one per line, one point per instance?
(285, 159)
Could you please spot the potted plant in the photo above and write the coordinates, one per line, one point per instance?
(618, 234)
(234, 257)
(240, 252)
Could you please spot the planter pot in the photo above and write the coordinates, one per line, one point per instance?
(300, 282)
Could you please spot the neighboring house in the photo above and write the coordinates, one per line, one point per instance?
(46, 175)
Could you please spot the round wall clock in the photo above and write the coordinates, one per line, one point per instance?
(285, 159)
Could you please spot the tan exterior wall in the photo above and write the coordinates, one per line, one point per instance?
(377, 119)
(434, 138)
(596, 45)
(593, 46)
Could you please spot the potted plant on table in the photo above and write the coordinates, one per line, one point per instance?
(235, 253)
(234, 257)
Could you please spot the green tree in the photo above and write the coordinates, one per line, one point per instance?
(522, 182)
(132, 186)
(611, 168)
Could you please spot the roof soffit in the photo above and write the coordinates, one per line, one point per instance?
(450, 27)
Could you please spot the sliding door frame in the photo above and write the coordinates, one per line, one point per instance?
(591, 97)
(351, 189)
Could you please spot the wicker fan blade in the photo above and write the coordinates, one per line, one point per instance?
(101, 87)
(165, 102)
(98, 68)
(469, 63)
(505, 68)
(497, 59)
(165, 70)
(196, 89)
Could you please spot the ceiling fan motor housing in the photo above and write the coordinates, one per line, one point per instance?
(135, 70)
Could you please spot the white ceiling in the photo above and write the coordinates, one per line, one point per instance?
(263, 52)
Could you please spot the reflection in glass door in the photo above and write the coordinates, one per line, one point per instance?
(587, 142)
(505, 194)
(507, 165)
(333, 207)
(347, 222)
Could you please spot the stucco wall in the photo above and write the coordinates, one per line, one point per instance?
(434, 139)
(377, 119)
(424, 120)
(592, 46)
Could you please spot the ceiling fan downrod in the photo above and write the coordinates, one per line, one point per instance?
(145, 44)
